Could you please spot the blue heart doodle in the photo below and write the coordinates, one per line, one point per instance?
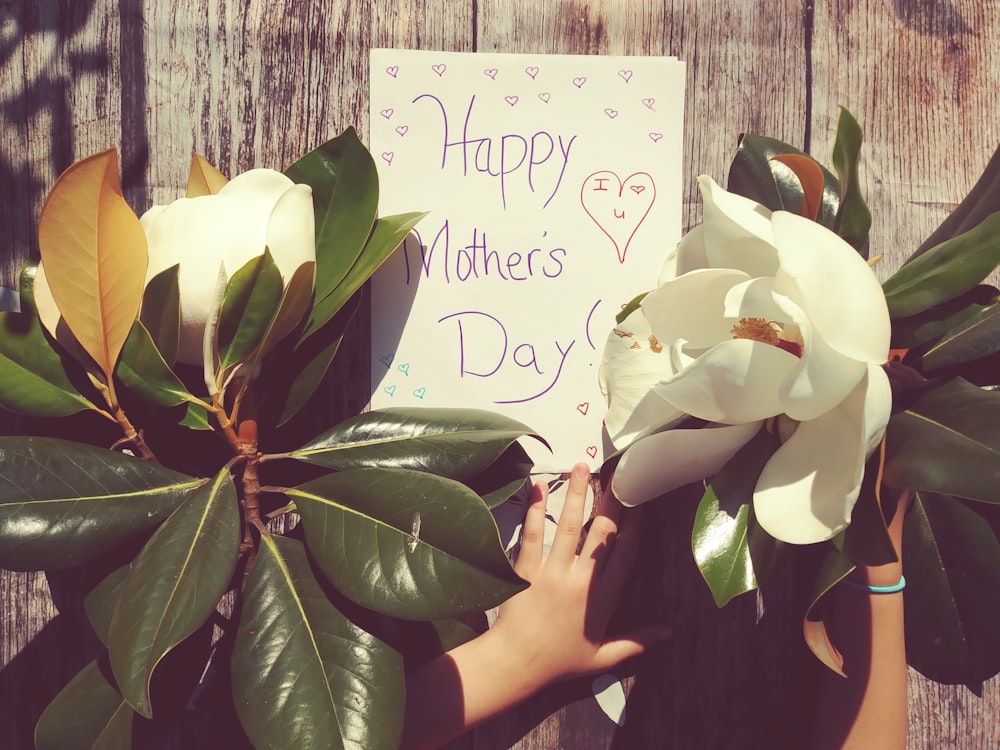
(391, 390)
(404, 368)
(387, 360)
(420, 393)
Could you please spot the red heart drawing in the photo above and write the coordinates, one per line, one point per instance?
(544, 96)
(583, 408)
(402, 129)
(387, 112)
(491, 72)
(625, 75)
(612, 113)
(654, 137)
(616, 211)
(532, 70)
(387, 157)
(439, 69)
(592, 451)
(649, 102)
(511, 100)
(579, 81)
(392, 70)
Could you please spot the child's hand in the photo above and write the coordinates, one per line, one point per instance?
(556, 628)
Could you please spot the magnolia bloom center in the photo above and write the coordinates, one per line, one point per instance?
(767, 332)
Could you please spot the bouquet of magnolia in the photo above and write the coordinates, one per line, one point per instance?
(771, 363)
(188, 341)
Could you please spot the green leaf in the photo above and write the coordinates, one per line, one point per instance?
(33, 380)
(947, 441)
(344, 185)
(853, 217)
(975, 338)
(455, 443)
(982, 200)
(174, 585)
(252, 298)
(304, 676)
(387, 234)
(100, 602)
(936, 321)
(834, 568)
(502, 494)
(866, 540)
(308, 363)
(754, 175)
(944, 271)
(63, 503)
(631, 307)
(952, 562)
(87, 714)
(142, 370)
(161, 312)
(727, 542)
(405, 543)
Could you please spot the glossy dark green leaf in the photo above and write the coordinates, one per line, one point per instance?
(33, 380)
(456, 443)
(754, 175)
(936, 321)
(387, 234)
(853, 217)
(866, 540)
(310, 361)
(304, 676)
(174, 585)
(405, 543)
(100, 602)
(952, 563)
(975, 338)
(87, 714)
(502, 494)
(982, 200)
(947, 441)
(944, 271)
(344, 185)
(726, 540)
(634, 304)
(833, 569)
(64, 503)
(161, 312)
(252, 297)
(142, 370)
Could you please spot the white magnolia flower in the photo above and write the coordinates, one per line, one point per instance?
(257, 209)
(757, 315)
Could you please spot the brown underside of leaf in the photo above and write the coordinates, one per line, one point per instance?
(810, 177)
(204, 179)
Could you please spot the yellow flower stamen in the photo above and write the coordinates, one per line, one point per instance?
(756, 329)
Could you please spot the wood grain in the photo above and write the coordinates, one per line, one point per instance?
(254, 83)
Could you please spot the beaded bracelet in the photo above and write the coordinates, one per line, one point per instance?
(892, 589)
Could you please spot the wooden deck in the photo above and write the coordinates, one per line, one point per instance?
(254, 83)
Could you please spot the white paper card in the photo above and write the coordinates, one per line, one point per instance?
(553, 184)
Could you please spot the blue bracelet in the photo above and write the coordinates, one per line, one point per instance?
(894, 588)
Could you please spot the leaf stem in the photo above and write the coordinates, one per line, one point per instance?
(246, 446)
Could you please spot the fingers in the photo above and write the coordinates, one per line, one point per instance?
(603, 529)
(567, 537)
(532, 533)
(614, 652)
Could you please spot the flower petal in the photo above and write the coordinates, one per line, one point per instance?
(689, 255)
(807, 490)
(734, 382)
(629, 368)
(822, 378)
(662, 462)
(291, 230)
(835, 287)
(692, 306)
(737, 231)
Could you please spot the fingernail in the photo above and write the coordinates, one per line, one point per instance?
(581, 471)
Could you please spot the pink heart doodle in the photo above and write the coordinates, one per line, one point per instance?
(387, 157)
(612, 113)
(544, 96)
(402, 129)
(440, 68)
(491, 73)
(583, 408)
(592, 451)
(511, 100)
(532, 71)
(625, 75)
(392, 70)
(654, 137)
(649, 102)
(387, 112)
(579, 81)
(616, 211)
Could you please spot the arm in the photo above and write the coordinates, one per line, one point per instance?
(552, 630)
(869, 709)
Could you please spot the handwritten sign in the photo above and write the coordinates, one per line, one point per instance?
(554, 190)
